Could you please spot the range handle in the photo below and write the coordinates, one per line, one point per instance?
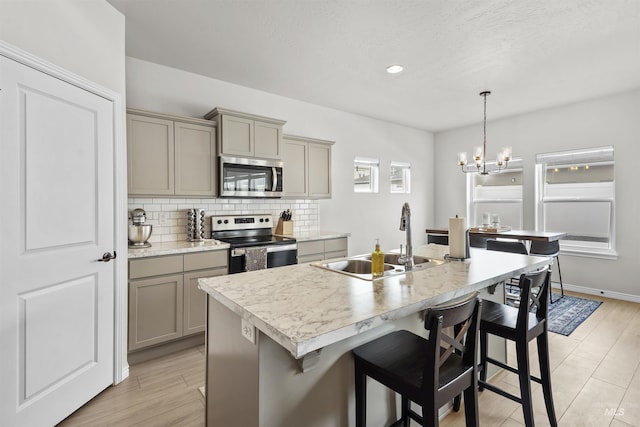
(270, 249)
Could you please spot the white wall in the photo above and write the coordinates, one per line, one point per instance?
(611, 120)
(366, 216)
(85, 37)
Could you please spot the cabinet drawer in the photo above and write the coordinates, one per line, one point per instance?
(207, 259)
(155, 266)
(313, 247)
(309, 258)
(337, 254)
(334, 245)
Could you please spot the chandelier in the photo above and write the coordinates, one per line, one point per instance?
(480, 153)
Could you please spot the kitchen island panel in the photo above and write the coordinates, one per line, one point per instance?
(261, 385)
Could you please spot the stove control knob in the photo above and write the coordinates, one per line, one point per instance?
(266, 219)
(226, 221)
(219, 221)
(261, 219)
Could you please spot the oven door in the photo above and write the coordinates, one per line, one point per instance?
(244, 177)
(277, 256)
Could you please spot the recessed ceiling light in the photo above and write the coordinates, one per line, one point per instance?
(394, 69)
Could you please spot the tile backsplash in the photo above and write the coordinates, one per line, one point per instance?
(169, 215)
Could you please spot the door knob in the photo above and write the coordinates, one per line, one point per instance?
(106, 257)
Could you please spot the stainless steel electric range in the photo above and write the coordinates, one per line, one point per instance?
(249, 231)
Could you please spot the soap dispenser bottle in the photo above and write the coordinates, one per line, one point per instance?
(377, 261)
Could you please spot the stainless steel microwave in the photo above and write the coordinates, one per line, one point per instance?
(249, 177)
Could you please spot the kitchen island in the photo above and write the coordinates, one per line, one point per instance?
(279, 340)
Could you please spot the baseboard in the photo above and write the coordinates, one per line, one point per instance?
(160, 350)
(597, 292)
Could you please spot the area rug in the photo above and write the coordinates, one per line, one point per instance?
(567, 313)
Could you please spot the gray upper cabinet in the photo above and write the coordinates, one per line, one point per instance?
(247, 135)
(307, 167)
(170, 155)
(150, 155)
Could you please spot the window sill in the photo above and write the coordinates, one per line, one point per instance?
(602, 254)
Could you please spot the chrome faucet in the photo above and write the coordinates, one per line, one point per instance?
(405, 225)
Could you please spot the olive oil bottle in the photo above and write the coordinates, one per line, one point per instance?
(377, 261)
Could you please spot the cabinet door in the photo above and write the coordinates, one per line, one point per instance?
(319, 170)
(150, 155)
(267, 140)
(155, 310)
(195, 300)
(236, 136)
(294, 155)
(335, 248)
(310, 251)
(195, 160)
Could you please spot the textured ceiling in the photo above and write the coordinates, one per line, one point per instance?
(530, 54)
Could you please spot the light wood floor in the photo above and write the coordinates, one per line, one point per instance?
(160, 392)
(596, 382)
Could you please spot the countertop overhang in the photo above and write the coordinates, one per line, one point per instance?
(305, 308)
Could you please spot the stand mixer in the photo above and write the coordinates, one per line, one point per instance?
(139, 232)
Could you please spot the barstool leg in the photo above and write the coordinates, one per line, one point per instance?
(471, 405)
(361, 396)
(524, 377)
(483, 359)
(545, 376)
(561, 285)
(430, 415)
(560, 276)
(405, 412)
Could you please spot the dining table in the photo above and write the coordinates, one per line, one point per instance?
(508, 233)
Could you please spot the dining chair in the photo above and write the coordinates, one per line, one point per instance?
(551, 249)
(521, 325)
(428, 371)
(515, 247)
(438, 239)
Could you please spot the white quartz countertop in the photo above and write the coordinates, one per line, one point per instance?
(304, 236)
(179, 247)
(305, 308)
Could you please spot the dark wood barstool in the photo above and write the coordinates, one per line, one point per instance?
(551, 249)
(422, 370)
(521, 325)
(512, 246)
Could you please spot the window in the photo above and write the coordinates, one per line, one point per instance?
(499, 193)
(575, 193)
(365, 175)
(400, 177)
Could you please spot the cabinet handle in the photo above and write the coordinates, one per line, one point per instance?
(106, 257)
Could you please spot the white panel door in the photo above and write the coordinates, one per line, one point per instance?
(56, 221)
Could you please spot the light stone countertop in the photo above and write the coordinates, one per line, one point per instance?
(178, 247)
(305, 308)
(305, 236)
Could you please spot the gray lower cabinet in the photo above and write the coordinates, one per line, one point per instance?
(319, 250)
(165, 303)
(170, 155)
(307, 171)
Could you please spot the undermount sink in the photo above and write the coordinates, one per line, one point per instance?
(355, 266)
(360, 266)
(393, 259)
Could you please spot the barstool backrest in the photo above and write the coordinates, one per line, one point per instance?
(438, 239)
(539, 247)
(506, 246)
(464, 316)
(534, 296)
